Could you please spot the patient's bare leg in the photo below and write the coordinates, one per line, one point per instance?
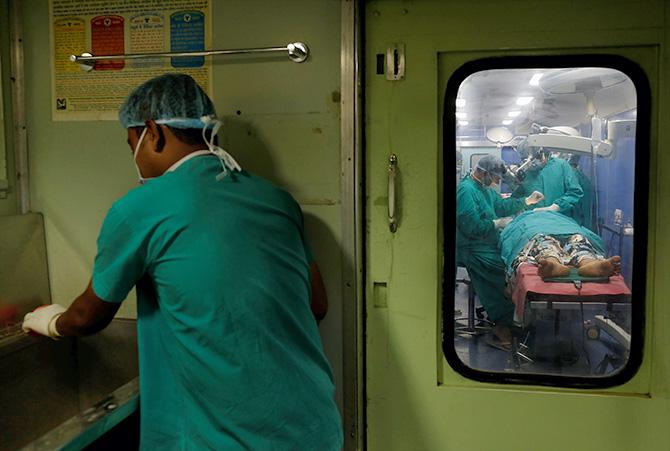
(551, 267)
(600, 268)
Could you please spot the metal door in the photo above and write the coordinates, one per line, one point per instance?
(415, 400)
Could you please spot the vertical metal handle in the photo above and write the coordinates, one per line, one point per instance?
(393, 163)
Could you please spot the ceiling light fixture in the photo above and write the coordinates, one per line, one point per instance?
(521, 101)
(535, 79)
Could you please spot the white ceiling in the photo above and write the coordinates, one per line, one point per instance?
(563, 97)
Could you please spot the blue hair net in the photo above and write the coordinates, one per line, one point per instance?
(171, 99)
(492, 165)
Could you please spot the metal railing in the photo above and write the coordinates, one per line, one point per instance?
(296, 52)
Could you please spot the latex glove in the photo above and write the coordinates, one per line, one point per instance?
(534, 198)
(43, 320)
(501, 223)
(552, 207)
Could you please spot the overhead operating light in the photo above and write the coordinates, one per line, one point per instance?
(535, 79)
(507, 121)
(512, 113)
(463, 123)
(461, 115)
(521, 101)
(499, 135)
(460, 103)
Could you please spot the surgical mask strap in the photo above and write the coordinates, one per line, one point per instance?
(227, 161)
(137, 149)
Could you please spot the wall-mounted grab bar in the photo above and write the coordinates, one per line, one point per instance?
(297, 52)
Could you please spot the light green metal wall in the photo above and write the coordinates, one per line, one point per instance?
(287, 130)
(415, 401)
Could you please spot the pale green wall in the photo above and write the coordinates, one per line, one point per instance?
(287, 131)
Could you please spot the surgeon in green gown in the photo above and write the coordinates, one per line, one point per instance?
(481, 213)
(582, 210)
(554, 178)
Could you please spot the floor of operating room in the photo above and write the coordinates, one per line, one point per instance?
(554, 345)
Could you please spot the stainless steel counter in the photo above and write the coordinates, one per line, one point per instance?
(45, 383)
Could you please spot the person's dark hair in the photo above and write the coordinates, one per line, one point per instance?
(191, 136)
(541, 152)
(574, 160)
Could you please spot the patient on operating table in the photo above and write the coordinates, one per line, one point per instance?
(555, 243)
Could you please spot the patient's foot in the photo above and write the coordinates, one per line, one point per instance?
(550, 267)
(601, 268)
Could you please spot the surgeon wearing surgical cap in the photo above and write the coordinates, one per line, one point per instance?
(228, 293)
(556, 180)
(481, 213)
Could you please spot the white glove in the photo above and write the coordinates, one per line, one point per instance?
(534, 198)
(552, 207)
(43, 320)
(501, 223)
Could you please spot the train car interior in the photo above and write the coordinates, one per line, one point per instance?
(429, 226)
(586, 116)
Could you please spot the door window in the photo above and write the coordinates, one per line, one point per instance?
(541, 224)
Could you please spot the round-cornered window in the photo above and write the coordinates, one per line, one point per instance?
(545, 187)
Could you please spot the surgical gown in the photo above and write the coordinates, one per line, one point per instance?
(229, 352)
(557, 181)
(582, 211)
(477, 244)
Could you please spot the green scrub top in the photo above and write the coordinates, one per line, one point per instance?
(582, 211)
(557, 181)
(476, 208)
(477, 244)
(229, 352)
(525, 226)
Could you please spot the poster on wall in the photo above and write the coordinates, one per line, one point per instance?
(115, 27)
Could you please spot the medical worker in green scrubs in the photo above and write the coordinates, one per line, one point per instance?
(481, 213)
(230, 354)
(555, 179)
(581, 212)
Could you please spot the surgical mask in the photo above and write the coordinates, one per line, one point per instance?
(142, 180)
(489, 180)
(227, 161)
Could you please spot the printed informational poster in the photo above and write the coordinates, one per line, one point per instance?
(117, 27)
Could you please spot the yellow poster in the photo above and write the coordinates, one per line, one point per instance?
(118, 27)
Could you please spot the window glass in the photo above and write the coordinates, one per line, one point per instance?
(545, 220)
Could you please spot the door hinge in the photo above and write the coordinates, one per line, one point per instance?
(395, 61)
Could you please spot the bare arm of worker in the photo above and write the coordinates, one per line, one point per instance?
(88, 314)
(319, 296)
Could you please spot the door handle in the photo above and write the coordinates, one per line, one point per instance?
(393, 221)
